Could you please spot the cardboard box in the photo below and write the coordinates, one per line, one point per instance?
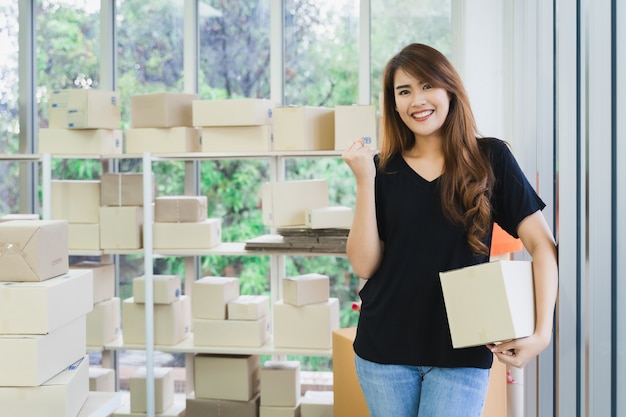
(237, 138)
(337, 217)
(227, 377)
(103, 278)
(84, 109)
(83, 236)
(163, 140)
(33, 250)
(280, 383)
(306, 327)
(348, 399)
(211, 295)
(202, 235)
(61, 396)
(161, 109)
(31, 360)
(317, 404)
(75, 201)
(472, 294)
(42, 307)
(284, 203)
(176, 410)
(306, 289)
(80, 142)
(233, 112)
(163, 390)
(231, 333)
(18, 216)
(101, 379)
(248, 307)
(180, 209)
(206, 407)
(165, 288)
(104, 323)
(271, 411)
(172, 322)
(121, 227)
(125, 189)
(354, 122)
(304, 128)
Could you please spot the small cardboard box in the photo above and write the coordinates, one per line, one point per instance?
(177, 409)
(317, 404)
(33, 250)
(84, 109)
(206, 234)
(31, 360)
(272, 411)
(206, 407)
(75, 201)
(233, 112)
(280, 382)
(161, 110)
(472, 294)
(121, 227)
(125, 189)
(348, 398)
(166, 289)
(172, 322)
(103, 278)
(337, 217)
(61, 396)
(101, 379)
(104, 323)
(80, 142)
(180, 209)
(163, 140)
(304, 128)
(163, 390)
(237, 138)
(355, 122)
(307, 327)
(248, 307)
(211, 295)
(42, 307)
(227, 377)
(83, 236)
(306, 289)
(231, 333)
(284, 203)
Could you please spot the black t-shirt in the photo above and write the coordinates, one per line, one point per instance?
(403, 318)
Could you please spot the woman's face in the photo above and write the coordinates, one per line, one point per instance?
(421, 107)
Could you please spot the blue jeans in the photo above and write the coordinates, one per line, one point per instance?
(422, 391)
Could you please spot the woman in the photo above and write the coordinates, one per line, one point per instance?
(426, 203)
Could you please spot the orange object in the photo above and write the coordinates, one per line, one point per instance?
(502, 242)
(348, 397)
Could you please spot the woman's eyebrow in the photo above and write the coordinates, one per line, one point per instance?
(399, 87)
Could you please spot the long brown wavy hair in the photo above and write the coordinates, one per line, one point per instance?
(467, 176)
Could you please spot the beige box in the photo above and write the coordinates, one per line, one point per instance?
(355, 122)
(101, 379)
(31, 360)
(104, 323)
(61, 396)
(248, 307)
(233, 112)
(307, 327)
(103, 278)
(18, 216)
(227, 377)
(80, 142)
(284, 203)
(83, 236)
(304, 128)
(121, 227)
(206, 234)
(84, 109)
(163, 390)
(317, 404)
(166, 289)
(180, 209)
(348, 398)
(125, 189)
(237, 138)
(306, 289)
(337, 217)
(75, 201)
(163, 140)
(161, 110)
(177, 409)
(231, 333)
(271, 411)
(42, 307)
(207, 407)
(474, 293)
(172, 322)
(280, 382)
(33, 250)
(211, 295)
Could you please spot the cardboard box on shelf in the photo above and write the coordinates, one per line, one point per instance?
(348, 399)
(165, 288)
(284, 203)
(80, 141)
(180, 209)
(163, 140)
(202, 235)
(233, 112)
(121, 227)
(317, 404)
(337, 217)
(227, 377)
(306, 327)
(75, 201)
(104, 323)
(83, 236)
(280, 383)
(272, 411)
(172, 322)
(177, 409)
(33, 250)
(306, 289)
(237, 138)
(231, 333)
(163, 109)
(304, 128)
(163, 390)
(79, 108)
(207, 407)
(211, 295)
(473, 293)
(125, 189)
(101, 379)
(355, 122)
(248, 307)
(103, 278)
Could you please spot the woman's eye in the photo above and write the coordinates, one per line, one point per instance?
(427, 86)
(403, 92)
